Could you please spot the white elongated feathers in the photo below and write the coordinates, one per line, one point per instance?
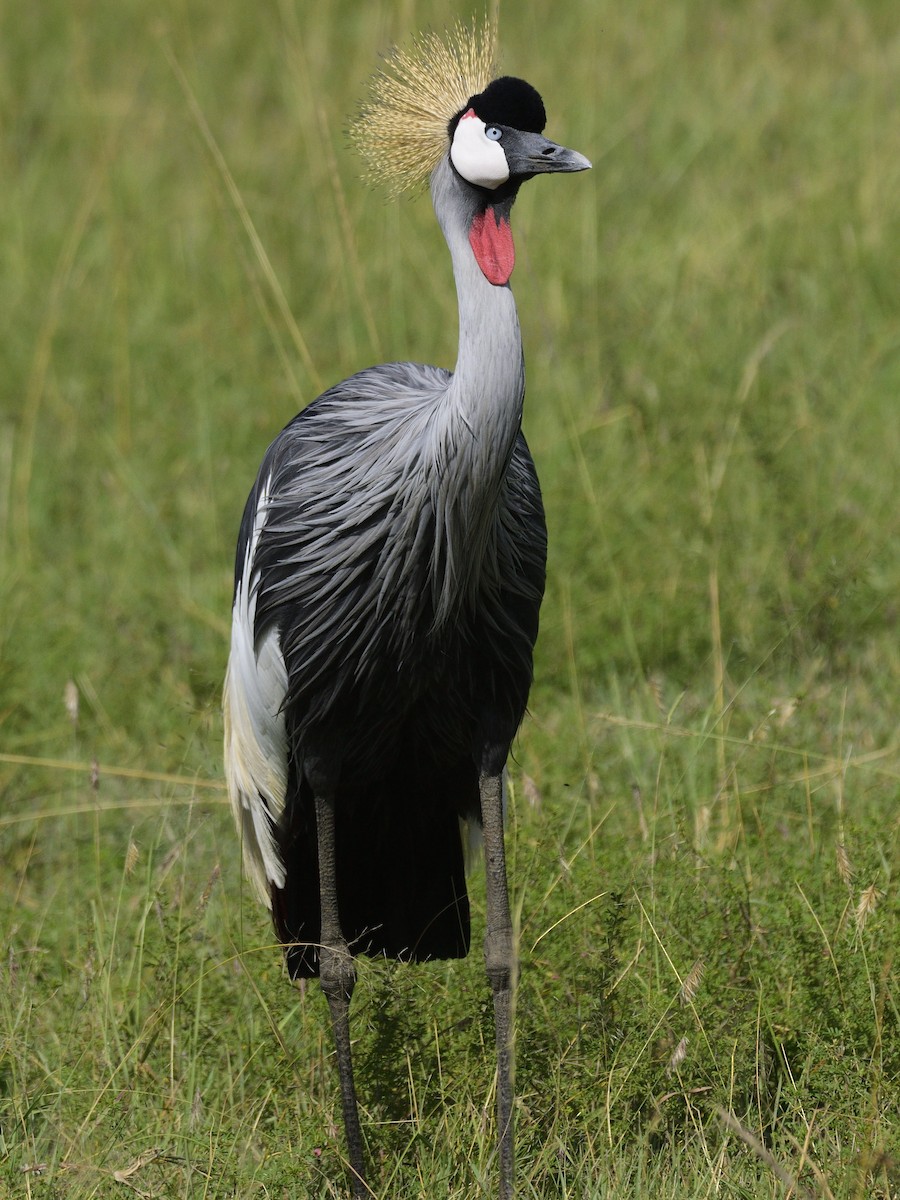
(401, 130)
(255, 739)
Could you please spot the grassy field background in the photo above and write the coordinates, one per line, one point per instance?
(704, 819)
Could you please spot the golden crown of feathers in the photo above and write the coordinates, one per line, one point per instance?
(401, 130)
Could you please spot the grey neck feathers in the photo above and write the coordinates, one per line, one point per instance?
(478, 417)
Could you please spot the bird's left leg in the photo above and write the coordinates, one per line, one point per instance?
(500, 960)
(338, 978)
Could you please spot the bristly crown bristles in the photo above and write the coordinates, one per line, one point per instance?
(401, 130)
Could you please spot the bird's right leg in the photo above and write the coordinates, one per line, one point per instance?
(499, 955)
(338, 978)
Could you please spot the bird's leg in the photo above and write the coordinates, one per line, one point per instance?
(499, 955)
(338, 978)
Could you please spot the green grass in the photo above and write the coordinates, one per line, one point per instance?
(704, 822)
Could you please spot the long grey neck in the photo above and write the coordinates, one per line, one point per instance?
(479, 416)
(488, 383)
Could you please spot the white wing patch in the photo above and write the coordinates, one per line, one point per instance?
(255, 738)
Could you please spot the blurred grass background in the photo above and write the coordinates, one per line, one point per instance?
(705, 815)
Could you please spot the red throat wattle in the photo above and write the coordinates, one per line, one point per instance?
(490, 237)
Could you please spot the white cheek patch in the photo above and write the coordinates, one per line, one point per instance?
(477, 158)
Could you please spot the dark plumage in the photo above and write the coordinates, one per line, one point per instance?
(335, 568)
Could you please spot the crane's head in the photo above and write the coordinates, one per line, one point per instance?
(442, 101)
(497, 137)
(496, 143)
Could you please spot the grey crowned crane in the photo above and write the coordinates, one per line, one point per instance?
(389, 574)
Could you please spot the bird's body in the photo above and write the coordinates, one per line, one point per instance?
(389, 575)
(392, 552)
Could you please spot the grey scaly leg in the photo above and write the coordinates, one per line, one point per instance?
(499, 956)
(338, 978)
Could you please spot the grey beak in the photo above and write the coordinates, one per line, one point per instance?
(532, 154)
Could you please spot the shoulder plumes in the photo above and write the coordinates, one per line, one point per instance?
(401, 129)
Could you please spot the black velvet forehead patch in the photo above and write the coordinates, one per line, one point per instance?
(509, 101)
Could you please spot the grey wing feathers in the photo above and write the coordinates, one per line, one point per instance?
(315, 518)
(345, 553)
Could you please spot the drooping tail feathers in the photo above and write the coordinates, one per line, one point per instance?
(400, 869)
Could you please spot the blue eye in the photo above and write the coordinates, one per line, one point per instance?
(493, 133)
